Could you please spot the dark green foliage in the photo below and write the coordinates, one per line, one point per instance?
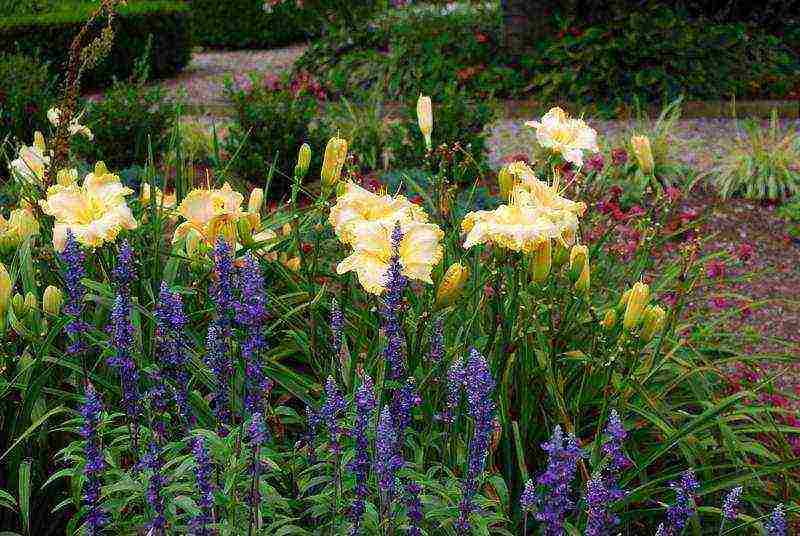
(270, 125)
(130, 116)
(458, 121)
(27, 90)
(248, 24)
(50, 35)
(651, 55)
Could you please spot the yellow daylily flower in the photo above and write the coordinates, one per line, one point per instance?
(95, 212)
(358, 205)
(210, 212)
(32, 161)
(564, 135)
(420, 250)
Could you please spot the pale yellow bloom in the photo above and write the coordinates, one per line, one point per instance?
(564, 135)
(522, 225)
(95, 212)
(32, 161)
(358, 205)
(425, 118)
(211, 212)
(54, 116)
(67, 177)
(420, 250)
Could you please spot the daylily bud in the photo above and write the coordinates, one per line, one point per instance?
(52, 300)
(582, 284)
(286, 230)
(640, 295)
(609, 319)
(303, 161)
(425, 118)
(643, 152)
(652, 323)
(18, 304)
(623, 300)
(255, 221)
(335, 155)
(293, 264)
(341, 188)
(38, 141)
(452, 285)
(578, 258)
(256, 201)
(560, 254)
(5, 289)
(24, 222)
(192, 243)
(506, 180)
(68, 177)
(31, 301)
(245, 231)
(542, 261)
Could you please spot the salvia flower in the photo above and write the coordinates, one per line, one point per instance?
(414, 508)
(776, 526)
(171, 346)
(616, 434)
(731, 503)
(563, 454)
(203, 474)
(74, 272)
(404, 401)
(527, 500)
(479, 385)
(251, 313)
(122, 337)
(684, 508)
(455, 385)
(125, 270)
(387, 459)
(394, 353)
(330, 412)
(153, 460)
(258, 434)
(91, 412)
(219, 362)
(365, 403)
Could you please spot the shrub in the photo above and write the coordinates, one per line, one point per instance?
(27, 90)
(130, 119)
(162, 26)
(761, 162)
(271, 121)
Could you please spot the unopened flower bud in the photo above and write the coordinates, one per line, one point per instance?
(31, 301)
(452, 285)
(18, 304)
(637, 301)
(560, 254)
(425, 119)
(652, 322)
(293, 264)
(256, 201)
(286, 230)
(52, 300)
(578, 258)
(506, 180)
(335, 155)
(245, 231)
(24, 223)
(609, 319)
(303, 161)
(644, 153)
(542, 261)
(5, 288)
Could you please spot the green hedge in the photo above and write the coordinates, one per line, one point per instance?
(245, 24)
(49, 36)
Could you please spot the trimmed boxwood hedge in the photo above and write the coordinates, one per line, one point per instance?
(49, 36)
(245, 24)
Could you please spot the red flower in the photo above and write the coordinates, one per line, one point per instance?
(481, 37)
(715, 268)
(745, 251)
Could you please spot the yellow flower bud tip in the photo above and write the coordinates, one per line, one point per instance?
(425, 118)
(286, 230)
(582, 284)
(38, 141)
(505, 180)
(578, 258)
(31, 301)
(5, 288)
(18, 304)
(303, 160)
(637, 301)
(542, 261)
(333, 162)
(256, 201)
(653, 321)
(100, 168)
(609, 319)
(293, 264)
(452, 285)
(644, 153)
(52, 300)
